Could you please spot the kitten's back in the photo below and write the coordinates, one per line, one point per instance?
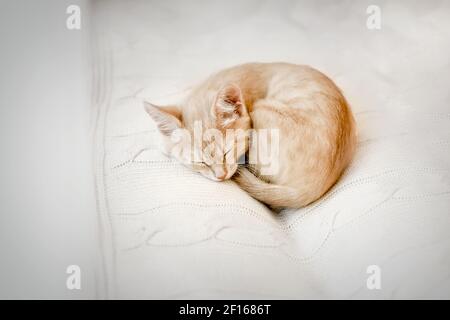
(316, 126)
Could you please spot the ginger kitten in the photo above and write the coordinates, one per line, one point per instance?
(314, 126)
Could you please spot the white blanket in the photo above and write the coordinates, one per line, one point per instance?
(170, 233)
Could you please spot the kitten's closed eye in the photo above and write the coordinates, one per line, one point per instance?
(228, 152)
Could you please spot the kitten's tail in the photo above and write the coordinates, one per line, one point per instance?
(276, 196)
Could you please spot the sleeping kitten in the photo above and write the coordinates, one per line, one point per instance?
(314, 123)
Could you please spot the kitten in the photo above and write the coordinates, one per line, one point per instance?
(314, 122)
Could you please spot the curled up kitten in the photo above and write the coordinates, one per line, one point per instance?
(310, 126)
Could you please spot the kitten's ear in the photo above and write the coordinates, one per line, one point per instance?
(168, 118)
(229, 106)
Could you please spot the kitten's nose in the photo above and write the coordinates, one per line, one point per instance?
(221, 175)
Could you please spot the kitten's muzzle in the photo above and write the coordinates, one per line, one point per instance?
(222, 177)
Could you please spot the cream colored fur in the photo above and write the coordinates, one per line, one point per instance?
(315, 123)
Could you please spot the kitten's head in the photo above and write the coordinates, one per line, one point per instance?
(208, 134)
